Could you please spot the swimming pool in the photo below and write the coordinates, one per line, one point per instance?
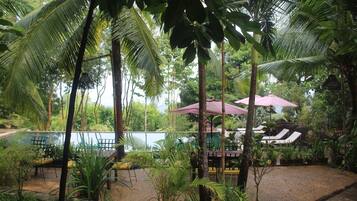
(149, 138)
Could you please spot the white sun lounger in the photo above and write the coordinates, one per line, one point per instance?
(259, 128)
(292, 138)
(280, 135)
(254, 131)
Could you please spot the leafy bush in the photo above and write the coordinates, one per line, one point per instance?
(100, 127)
(349, 142)
(11, 197)
(89, 175)
(234, 194)
(169, 171)
(16, 121)
(4, 143)
(15, 165)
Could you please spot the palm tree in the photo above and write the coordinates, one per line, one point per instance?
(60, 24)
(72, 100)
(65, 36)
(262, 12)
(320, 36)
(142, 54)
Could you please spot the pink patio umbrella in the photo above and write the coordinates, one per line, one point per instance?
(272, 100)
(213, 108)
(268, 101)
(246, 100)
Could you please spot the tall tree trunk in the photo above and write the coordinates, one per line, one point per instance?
(247, 144)
(49, 109)
(146, 122)
(117, 91)
(77, 73)
(78, 110)
(61, 101)
(84, 121)
(202, 152)
(223, 113)
(97, 103)
(352, 83)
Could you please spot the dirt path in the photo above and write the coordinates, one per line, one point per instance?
(293, 183)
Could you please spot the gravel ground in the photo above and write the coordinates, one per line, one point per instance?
(290, 183)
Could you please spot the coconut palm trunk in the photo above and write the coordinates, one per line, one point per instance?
(202, 155)
(117, 91)
(244, 168)
(72, 100)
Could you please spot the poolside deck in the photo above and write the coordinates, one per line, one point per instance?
(6, 132)
(291, 183)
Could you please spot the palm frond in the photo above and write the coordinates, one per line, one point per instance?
(30, 53)
(69, 49)
(295, 42)
(288, 68)
(142, 53)
(216, 188)
(15, 7)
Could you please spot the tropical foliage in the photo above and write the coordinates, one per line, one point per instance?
(15, 166)
(169, 170)
(169, 52)
(90, 174)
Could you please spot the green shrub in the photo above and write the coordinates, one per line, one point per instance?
(100, 127)
(89, 175)
(16, 121)
(15, 165)
(234, 194)
(12, 197)
(169, 171)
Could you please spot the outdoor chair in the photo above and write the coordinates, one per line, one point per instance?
(44, 160)
(125, 166)
(291, 139)
(106, 144)
(228, 171)
(279, 136)
(109, 144)
(214, 166)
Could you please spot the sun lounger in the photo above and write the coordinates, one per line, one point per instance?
(259, 128)
(292, 138)
(280, 135)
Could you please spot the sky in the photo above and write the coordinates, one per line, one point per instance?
(107, 98)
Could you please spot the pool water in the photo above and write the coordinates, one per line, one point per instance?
(149, 138)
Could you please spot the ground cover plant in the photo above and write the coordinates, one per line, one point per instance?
(15, 166)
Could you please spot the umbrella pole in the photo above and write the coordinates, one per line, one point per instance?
(210, 144)
(270, 112)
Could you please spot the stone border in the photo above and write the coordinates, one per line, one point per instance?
(333, 194)
(6, 134)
